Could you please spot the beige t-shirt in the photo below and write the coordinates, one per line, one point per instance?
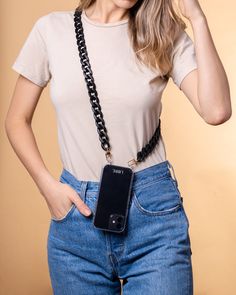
(129, 94)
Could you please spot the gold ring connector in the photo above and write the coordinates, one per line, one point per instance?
(108, 156)
(132, 163)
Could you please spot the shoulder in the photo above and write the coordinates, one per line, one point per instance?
(53, 19)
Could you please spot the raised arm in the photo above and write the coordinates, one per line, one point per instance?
(206, 87)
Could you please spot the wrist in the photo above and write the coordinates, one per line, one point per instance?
(44, 182)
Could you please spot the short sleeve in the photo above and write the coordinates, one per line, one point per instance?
(32, 60)
(184, 58)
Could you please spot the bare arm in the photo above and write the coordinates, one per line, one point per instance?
(20, 134)
(207, 88)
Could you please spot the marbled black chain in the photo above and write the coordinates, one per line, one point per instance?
(97, 112)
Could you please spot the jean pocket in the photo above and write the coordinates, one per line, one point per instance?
(159, 197)
(66, 216)
(71, 209)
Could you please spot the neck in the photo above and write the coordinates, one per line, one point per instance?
(104, 11)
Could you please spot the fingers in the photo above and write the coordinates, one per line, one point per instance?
(82, 207)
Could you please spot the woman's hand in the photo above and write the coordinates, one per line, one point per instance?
(190, 9)
(60, 197)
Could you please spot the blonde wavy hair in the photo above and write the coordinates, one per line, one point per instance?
(153, 27)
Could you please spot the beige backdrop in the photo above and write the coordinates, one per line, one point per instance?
(203, 156)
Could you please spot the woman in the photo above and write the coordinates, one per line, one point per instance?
(134, 47)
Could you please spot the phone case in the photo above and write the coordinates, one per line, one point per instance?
(113, 198)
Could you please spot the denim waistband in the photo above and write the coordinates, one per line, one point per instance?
(141, 177)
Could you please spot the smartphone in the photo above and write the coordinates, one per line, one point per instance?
(113, 198)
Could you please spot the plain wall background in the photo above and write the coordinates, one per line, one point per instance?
(203, 156)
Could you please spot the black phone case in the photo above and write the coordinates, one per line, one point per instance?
(113, 198)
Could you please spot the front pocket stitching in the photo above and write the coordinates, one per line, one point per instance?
(65, 216)
(155, 180)
(147, 212)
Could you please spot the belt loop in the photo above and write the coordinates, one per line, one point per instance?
(171, 169)
(83, 190)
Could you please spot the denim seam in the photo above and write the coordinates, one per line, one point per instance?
(110, 254)
(190, 286)
(175, 186)
(83, 191)
(185, 216)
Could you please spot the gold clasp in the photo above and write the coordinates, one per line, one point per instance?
(108, 156)
(132, 163)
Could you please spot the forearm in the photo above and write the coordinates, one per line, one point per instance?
(213, 86)
(22, 139)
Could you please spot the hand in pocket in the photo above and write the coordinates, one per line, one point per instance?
(60, 197)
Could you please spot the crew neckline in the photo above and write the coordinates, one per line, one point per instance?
(110, 24)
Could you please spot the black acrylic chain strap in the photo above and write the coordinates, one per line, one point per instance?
(97, 112)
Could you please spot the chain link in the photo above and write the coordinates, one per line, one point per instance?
(95, 104)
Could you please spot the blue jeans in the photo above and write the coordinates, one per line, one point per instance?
(152, 256)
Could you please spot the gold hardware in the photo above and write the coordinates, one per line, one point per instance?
(132, 163)
(108, 156)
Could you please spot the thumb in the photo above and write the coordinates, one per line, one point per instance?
(82, 207)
